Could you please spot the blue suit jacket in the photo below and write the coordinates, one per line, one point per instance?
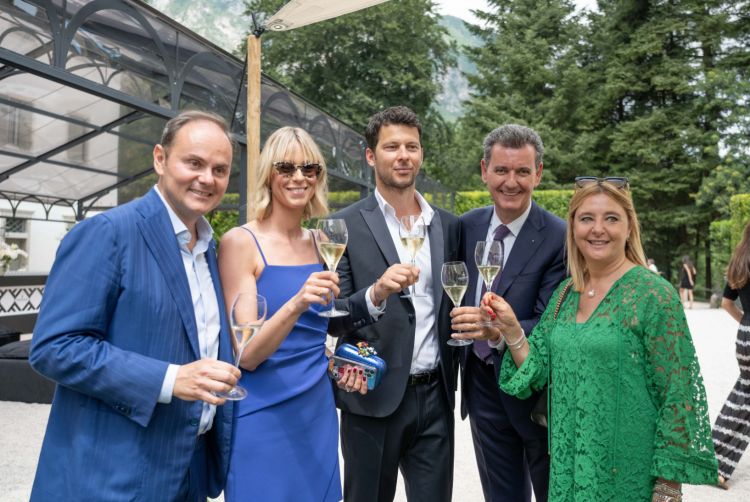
(532, 271)
(116, 311)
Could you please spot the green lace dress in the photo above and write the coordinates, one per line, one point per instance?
(627, 399)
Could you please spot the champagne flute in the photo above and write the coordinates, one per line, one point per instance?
(455, 278)
(247, 317)
(488, 255)
(332, 239)
(412, 232)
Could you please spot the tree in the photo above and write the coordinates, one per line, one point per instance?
(527, 74)
(352, 66)
(666, 114)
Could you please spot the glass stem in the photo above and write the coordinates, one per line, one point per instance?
(414, 286)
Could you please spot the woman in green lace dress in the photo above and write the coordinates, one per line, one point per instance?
(629, 418)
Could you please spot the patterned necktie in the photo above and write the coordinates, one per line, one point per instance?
(481, 347)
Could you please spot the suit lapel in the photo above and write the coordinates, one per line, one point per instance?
(159, 235)
(528, 241)
(437, 256)
(225, 347)
(379, 230)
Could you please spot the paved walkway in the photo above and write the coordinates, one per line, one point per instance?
(22, 425)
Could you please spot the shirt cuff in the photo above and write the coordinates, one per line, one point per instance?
(167, 387)
(375, 312)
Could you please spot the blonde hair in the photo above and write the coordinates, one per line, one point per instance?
(633, 248)
(277, 148)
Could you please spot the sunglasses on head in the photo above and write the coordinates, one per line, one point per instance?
(615, 181)
(308, 169)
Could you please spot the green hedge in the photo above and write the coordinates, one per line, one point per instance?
(554, 201)
(739, 207)
(721, 249)
(225, 219)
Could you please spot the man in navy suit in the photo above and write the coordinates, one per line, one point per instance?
(510, 449)
(133, 330)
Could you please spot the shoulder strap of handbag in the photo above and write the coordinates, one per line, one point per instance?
(563, 294)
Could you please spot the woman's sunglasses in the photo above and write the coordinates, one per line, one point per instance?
(617, 182)
(287, 169)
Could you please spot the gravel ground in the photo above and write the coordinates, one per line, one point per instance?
(22, 425)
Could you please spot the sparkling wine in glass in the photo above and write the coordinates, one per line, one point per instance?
(247, 317)
(412, 232)
(455, 278)
(332, 239)
(488, 255)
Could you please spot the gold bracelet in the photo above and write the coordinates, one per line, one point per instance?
(666, 493)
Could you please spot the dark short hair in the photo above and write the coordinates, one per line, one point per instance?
(172, 127)
(395, 115)
(514, 136)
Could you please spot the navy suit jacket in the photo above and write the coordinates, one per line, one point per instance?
(116, 311)
(532, 271)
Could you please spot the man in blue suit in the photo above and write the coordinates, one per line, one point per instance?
(510, 448)
(133, 330)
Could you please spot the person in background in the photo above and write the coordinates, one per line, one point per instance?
(628, 415)
(285, 445)
(687, 282)
(652, 266)
(511, 450)
(731, 431)
(132, 328)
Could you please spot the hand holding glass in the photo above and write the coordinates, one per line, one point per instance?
(332, 239)
(488, 255)
(455, 278)
(412, 232)
(247, 317)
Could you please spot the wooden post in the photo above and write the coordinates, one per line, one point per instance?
(253, 119)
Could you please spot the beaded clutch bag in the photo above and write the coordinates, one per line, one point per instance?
(361, 356)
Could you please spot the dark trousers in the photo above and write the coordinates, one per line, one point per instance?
(195, 486)
(417, 438)
(511, 450)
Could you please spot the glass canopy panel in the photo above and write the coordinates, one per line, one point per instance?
(49, 180)
(25, 29)
(46, 95)
(119, 48)
(210, 80)
(352, 161)
(100, 152)
(32, 133)
(146, 129)
(8, 161)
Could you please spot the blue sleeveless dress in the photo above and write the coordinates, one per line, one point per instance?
(285, 438)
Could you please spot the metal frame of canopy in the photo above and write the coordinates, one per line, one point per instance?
(85, 87)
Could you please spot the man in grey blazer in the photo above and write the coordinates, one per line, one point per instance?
(133, 329)
(407, 421)
(510, 449)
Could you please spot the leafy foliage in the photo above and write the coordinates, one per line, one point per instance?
(357, 64)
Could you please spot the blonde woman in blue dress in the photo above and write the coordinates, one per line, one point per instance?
(285, 444)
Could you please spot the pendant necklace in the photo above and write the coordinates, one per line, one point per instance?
(590, 293)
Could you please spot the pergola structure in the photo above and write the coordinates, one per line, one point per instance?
(86, 87)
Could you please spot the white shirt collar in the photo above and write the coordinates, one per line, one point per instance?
(386, 208)
(515, 225)
(205, 232)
